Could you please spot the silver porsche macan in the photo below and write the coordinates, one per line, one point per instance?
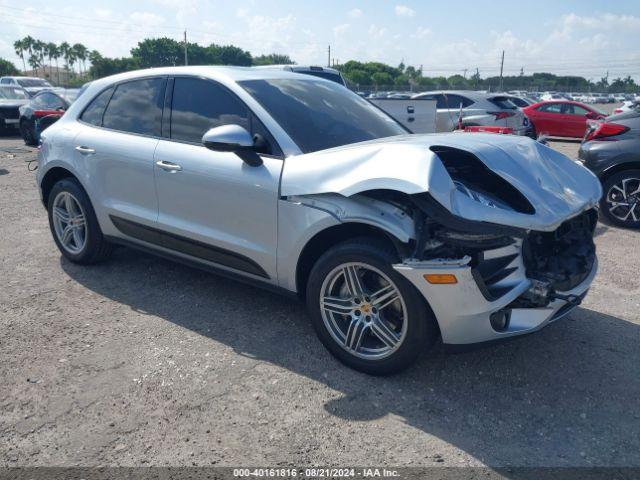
(295, 183)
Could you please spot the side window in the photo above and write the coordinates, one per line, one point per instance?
(441, 101)
(93, 113)
(454, 101)
(551, 108)
(5, 81)
(578, 110)
(136, 107)
(51, 101)
(199, 105)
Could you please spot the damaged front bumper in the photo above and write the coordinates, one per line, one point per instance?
(464, 313)
(495, 298)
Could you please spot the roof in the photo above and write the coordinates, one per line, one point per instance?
(233, 74)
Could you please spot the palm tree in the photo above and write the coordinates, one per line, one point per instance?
(80, 52)
(54, 52)
(49, 49)
(64, 52)
(18, 46)
(28, 43)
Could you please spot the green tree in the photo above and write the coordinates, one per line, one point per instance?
(158, 52)
(358, 77)
(103, 66)
(80, 52)
(7, 68)
(381, 79)
(273, 59)
(19, 48)
(458, 82)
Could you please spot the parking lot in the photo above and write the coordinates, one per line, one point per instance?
(140, 361)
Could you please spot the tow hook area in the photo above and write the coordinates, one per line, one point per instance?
(541, 293)
(571, 299)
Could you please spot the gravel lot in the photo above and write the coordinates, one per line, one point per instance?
(140, 361)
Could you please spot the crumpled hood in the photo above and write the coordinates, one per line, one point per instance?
(557, 187)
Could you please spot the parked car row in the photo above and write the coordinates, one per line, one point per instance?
(30, 84)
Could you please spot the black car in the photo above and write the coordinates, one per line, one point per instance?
(11, 99)
(611, 150)
(45, 108)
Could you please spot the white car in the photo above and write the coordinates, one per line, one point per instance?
(31, 84)
(465, 108)
(299, 185)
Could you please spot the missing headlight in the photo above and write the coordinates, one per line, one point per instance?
(468, 171)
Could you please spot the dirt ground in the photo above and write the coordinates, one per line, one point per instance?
(140, 361)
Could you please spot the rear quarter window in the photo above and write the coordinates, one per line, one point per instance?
(95, 110)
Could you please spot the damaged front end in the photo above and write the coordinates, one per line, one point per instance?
(496, 233)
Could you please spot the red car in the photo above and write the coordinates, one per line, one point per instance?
(561, 118)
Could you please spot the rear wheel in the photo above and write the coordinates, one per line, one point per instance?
(367, 314)
(74, 225)
(28, 133)
(620, 202)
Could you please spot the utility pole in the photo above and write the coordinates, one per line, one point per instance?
(477, 77)
(185, 49)
(464, 73)
(329, 56)
(501, 67)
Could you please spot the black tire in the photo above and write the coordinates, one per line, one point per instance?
(96, 247)
(605, 201)
(422, 330)
(532, 131)
(28, 133)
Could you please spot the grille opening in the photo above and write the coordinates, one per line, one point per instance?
(465, 167)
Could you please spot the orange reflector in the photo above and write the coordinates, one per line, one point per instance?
(440, 278)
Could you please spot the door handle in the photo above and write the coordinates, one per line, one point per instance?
(85, 150)
(168, 166)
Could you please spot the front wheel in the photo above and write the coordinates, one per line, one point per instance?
(364, 312)
(620, 203)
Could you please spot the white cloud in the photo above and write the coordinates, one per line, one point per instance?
(103, 13)
(146, 19)
(607, 21)
(377, 32)
(341, 29)
(355, 13)
(421, 33)
(404, 11)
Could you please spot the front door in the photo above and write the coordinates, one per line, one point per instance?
(212, 204)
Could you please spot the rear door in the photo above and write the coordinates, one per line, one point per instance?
(212, 204)
(115, 147)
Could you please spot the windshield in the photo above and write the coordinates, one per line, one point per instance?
(317, 114)
(32, 82)
(13, 93)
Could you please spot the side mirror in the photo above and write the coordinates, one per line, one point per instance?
(232, 138)
(591, 116)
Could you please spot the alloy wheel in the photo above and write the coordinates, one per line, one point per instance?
(69, 222)
(623, 200)
(363, 310)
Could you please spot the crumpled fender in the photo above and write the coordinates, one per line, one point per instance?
(557, 187)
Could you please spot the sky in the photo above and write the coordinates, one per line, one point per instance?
(568, 37)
